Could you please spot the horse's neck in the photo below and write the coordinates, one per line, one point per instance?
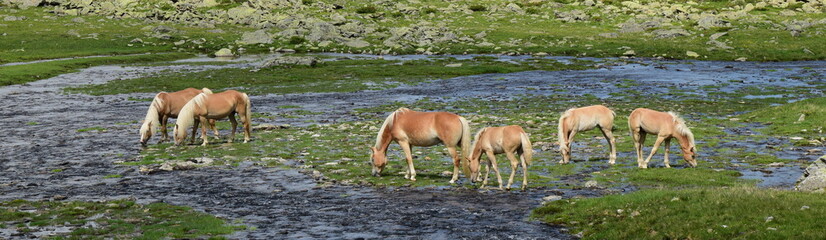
(385, 139)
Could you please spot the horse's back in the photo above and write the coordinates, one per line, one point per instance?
(423, 128)
(651, 121)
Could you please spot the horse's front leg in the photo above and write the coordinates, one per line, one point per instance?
(164, 136)
(609, 136)
(408, 155)
(456, 162)
(234, 125)
(195, 125)
(492, 163)
(653, 150)
(204, 131)
(667, 145)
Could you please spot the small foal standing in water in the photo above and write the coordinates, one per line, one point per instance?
(410, 128)
(666, 126)
(497, 140)
(583, 119)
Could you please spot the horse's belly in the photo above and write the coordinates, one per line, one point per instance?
(424, 142)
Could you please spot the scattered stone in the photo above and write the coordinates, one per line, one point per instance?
(446, 174)
(629, 53)
(776, 164)
(357, 43)
(692, 54)
(179, 43)
(740, 59)
(224, 52)
(290, 61)
(136, 40)
(572, 16)
(78, 20)
(73, 32)
(551, 198)
(814, 177)
(25, 4)
(609, 35)
(454, 65)
(256, 37)
(814, 151)
(267, 127)
(717, 35)
(591, 184)
(59, 197)
(710, 21)
(670, 33)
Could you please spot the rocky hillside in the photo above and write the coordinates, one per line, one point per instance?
(727, 30)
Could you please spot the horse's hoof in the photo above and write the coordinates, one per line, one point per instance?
(452, 181)
(413, 179)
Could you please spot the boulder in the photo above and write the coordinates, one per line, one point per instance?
(24, 4)
(256, 37)
(711, 21)
(814, 177)
(290, 61)
(357, 43)
(670, 33)
(224, 52)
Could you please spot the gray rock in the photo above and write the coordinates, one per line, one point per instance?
(357, 43)
(78, 20)
(609, 35)
(290, 61)
(717, 35)
(814, 177)
(323, 31)
(631, 26)
(551, 198)
(572, 16)
(24, 4)
(256, 37)
(670, 33)
(163, 29)
(711, 21)
(591, 184)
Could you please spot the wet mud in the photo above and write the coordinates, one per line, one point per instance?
(41, 134)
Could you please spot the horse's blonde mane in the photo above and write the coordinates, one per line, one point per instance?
(477, 137)
(187, 115)
(681, 128)
(206, 90)
(387, 123)
(152, 116)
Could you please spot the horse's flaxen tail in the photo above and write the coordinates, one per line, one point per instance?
(248, 117)
(527, 149)
(466, 149)
(563, 138)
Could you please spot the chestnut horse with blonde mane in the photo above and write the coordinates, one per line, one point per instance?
(668, 125)
(497, 140)
(214, 106)
(411, 128)
(167, 105)
(583, 119)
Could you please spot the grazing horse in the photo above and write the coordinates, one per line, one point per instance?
(411, 128)
(583, 119)
(666, 125)
(496, 140)
(167, 105)
(214, 106)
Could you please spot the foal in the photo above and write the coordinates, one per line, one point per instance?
(497, 140)
(666, 126)
(583, 119)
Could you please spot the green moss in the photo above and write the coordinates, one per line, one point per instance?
(97, 129)
(700, 213)
(114, 219)
(783, 120)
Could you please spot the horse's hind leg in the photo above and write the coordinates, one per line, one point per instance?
(609, 136)
(524, 171)
(234, 126)
(456, 163)
(247, 122)
(665, 160)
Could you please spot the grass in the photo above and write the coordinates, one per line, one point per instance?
(783, 120)
(696, 213)
(335, 76)
(89, 129)
(670, 177)
(114, 219)
(19, 74)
